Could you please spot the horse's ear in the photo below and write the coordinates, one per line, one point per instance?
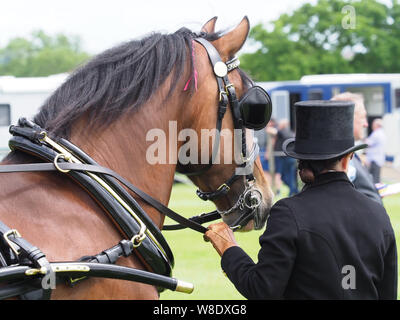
(209, 26)
(232, 41)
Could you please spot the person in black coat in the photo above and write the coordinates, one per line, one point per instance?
(329, 241)
(359, 174)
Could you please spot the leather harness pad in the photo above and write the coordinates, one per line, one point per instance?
(148, 252)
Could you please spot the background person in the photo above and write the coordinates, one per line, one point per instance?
(311, 248)
(376, 149)
(266, 140)
(358, 174)
(269, 154)
(285, 167)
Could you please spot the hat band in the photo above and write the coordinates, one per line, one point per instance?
(313, 146)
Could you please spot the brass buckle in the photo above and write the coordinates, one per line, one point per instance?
(9, 242)
(137, 239)
(35, 271)
(222, 186)
(235, 228)
(60, 155)
(229, 85)
(67, 156)
(221, 93)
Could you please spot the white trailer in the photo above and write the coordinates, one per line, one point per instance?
(22, 97)
(381, 94)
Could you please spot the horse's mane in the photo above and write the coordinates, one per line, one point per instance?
(118, 80)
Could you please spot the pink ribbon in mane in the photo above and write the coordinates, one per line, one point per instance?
(194, 72)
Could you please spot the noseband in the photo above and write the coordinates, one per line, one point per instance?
(250, 199)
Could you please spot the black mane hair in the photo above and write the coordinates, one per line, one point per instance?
(118, 80)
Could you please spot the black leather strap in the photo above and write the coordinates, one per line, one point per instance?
(34, 255)
(200, 219)
(111, 255)
(100, 270)
(34, 167)
(227, 94)
(159, 261)
(221, 191)
(213, 54)
(223, 101)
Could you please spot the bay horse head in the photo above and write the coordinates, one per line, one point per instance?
(110, 108)
(162, 82)
(227, 170)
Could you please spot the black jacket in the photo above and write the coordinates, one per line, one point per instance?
(281, 137)
(327, 242)
(363, 180)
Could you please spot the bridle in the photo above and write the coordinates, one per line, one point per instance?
(250, 199)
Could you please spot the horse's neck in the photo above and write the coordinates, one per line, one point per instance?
(122, 147)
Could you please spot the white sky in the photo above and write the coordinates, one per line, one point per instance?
(102, 24)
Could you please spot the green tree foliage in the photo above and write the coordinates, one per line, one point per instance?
(318, 39)
(41, 55)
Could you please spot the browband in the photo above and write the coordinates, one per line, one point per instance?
(233, 64)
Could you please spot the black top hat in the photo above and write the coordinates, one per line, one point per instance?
(324, 130)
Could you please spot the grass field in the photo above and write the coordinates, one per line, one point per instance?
(196, 261)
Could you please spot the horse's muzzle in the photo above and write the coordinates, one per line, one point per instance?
(248, 206)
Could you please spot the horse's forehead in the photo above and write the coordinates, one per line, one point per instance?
(206, 70)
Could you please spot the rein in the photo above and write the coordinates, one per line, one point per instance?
(65, 162)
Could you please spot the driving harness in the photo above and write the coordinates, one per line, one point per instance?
(24, 269)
